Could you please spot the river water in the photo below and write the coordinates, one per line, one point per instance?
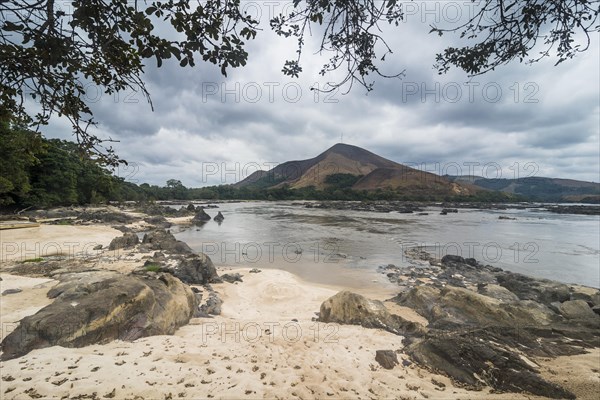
(345, 248)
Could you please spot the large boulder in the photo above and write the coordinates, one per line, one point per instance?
(477, 358)
(101, 306)
(353, 309)
(452, 307)
(195, 269)
(165, 241)
(423, 299)
(591, 295)
(123, 242)
(576, 309)
(386, 358)
(497, 292)
(540, 290)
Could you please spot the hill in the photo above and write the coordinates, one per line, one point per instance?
(345, 166)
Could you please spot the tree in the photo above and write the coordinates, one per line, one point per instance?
(19, 151)
(49, 52)
(176, 189)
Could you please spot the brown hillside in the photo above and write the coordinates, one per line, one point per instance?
(377, 173)
(411, 180)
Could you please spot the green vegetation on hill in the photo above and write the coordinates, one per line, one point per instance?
(342, 181)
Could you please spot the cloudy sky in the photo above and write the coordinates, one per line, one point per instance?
(520, 120)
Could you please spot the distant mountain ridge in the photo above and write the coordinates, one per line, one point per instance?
(371, 172)
(538, 188)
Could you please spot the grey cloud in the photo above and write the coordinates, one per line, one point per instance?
(192, 125)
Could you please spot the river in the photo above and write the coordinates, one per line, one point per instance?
(345, 248)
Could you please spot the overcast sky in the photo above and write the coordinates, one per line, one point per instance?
(520, 120)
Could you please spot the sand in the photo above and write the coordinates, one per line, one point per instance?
(265, 344)
(48, 240)
(232, 355)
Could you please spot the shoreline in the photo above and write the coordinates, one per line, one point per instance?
(223, 357)
(265, 343)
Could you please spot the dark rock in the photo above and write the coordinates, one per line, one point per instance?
(596, 309)
(191, 207)
(583, 210)
(100, 306)
(528, 288)
(219, 217)
(254, 271)
(449, 210)
(157, 209)
(159, 257)
(476, 359)
(44, 268)
(471, 261)
(123, 242)
(507, 218)
(231, 278)
(485, 338)
(351, 308)
(449, 259)
(107, 217)
(11, 291)
(386, 358)
(201, 216)
(158, 221)
(195, 269)
(165, 241)
(211, 307)
(98, 247)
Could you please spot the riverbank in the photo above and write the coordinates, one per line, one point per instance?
(266, 342)
(233, 356)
